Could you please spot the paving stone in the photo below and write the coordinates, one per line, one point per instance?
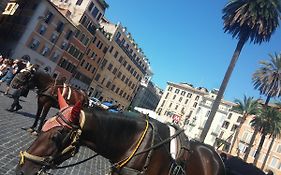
(14, 139)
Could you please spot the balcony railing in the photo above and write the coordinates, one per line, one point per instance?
(130, 56)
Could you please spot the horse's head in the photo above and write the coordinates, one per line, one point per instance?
(45, 152)
(25, 76)
(58, 141)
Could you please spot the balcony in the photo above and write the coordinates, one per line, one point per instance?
(128, 53)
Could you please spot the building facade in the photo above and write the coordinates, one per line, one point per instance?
(148, 96)
(242, 143)
(120, 72)
(190, 107)
(44, 34)
(4, 6)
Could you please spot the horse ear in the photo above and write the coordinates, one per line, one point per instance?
(75, 112)
(61, 100)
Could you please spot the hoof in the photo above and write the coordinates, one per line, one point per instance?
(30, 130)
(34, 133)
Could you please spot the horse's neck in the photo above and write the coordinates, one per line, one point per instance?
(112, 136)
(43, 83)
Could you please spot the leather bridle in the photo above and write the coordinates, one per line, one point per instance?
(48, 162)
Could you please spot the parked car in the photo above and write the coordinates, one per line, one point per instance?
(94, 102)
(110, 106)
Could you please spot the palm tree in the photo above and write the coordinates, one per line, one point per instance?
(266, 123)
(267, 80)
(275, 132)
(245, 20)
(248, 106)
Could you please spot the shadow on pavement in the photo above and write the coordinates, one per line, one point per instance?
(26, 114)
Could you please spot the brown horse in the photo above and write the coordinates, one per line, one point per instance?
(47, 93)
(134, 145)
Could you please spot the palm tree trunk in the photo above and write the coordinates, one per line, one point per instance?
(226, 78)
(257, 155)
(237, 133)
(267, 153)
(248, 150)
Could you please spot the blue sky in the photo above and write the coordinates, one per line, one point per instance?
(184, 42)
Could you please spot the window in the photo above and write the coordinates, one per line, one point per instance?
(42, 29)
(91, 6)
(117, 90)
(197, 98)
(34, 44)
(274, 162)
(79, 2)
(110, 67)
(195, 104)
(278, 149)
(180, 99)
(163, 103)
(186, 101)
(59, 27)
(118, 35)
(170, 105)
(170, 88)
(49, 16)
(97, 77)
(119, 74)
(229, 116)
(183, 93)
(45, 51)
(114, 71)
(55, 57)
(116, 54)
(239, 119)
(111, 49)
(121, 59)
(174, 97)
(99, 16)
(53, 38)
(189, 95)
(234, 127)
(177, 91)
(113, 87)
(95, 12)
(108, 84)
(63, 45)
(246, 137)
(225, 124)
(69, 34)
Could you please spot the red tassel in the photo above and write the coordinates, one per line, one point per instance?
(75, 112)
(61, 100)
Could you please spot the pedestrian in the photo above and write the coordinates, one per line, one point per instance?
(12, 71)
(6, 63)
(21, 91)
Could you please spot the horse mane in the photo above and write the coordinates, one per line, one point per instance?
(109, 122)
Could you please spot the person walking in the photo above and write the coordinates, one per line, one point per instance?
(21, 91)
(12, 71)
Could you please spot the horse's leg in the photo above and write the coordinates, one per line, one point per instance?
(38, 113)
(45, 111)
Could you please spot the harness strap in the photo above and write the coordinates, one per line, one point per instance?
(41, 160)
(121, 163)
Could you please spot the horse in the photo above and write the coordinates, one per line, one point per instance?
(46, 88)
(134, 145)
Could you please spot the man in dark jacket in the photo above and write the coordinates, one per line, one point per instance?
(21, 91)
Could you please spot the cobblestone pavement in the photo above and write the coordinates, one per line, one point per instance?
(13, 139)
